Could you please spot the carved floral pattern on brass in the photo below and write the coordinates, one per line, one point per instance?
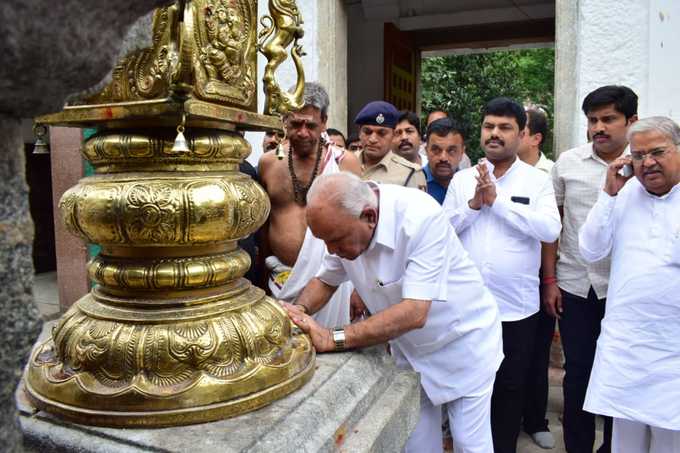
(209, 362)
(164, 210)
(120, 151)
(172, 333)
(168, 274)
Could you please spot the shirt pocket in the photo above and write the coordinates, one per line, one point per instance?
(385, 295)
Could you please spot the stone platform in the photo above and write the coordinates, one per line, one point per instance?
(356, 402)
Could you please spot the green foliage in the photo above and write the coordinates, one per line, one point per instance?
(462, 84)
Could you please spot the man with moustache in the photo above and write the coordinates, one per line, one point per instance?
(636, 372)
(406, 142)
(271, 141)
(293, 254)
(438, 115)
(445, 148)
(574, 291)
(502, 210)
(376, 122)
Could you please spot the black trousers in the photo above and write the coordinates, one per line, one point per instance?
(579, 329)
(536, 386)
(508, 389)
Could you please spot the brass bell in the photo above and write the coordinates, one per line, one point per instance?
(180, 145)
(40, 146)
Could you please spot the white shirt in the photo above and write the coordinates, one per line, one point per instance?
(544, 164)
(578, 177)
(504, 240)
(415, 254)
(636, 372)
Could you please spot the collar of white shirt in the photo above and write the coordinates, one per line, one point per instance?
(589, 153)
(384, 235)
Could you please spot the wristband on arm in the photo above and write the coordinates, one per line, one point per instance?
(549, 280)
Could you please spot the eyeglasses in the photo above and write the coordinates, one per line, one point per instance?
(656, 154)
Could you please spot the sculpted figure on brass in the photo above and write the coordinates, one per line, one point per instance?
(226, 46)
(145, 73)
(281, 28)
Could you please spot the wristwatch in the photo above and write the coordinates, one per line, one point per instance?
(338, 338)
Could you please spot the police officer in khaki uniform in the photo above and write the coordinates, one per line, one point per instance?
(377, 121)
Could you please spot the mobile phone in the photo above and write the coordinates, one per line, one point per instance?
(626, 171)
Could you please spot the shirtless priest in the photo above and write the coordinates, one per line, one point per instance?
(293, 254)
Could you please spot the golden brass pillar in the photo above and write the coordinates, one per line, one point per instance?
(172, 333)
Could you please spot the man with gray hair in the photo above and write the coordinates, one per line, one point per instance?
(425, 294)
(636, 372)
(292, 253)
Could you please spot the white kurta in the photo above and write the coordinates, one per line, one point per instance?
(504, 240)
(636, 373)
(415, 254)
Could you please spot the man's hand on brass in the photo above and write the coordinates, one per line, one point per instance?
(616, 181)
(552, 299)
(357, 308)
(322, 339)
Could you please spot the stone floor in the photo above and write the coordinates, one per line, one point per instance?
(46, 296)
(526, 445)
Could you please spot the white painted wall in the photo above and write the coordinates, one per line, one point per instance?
(624, 42)
(325, 43)
(663, 88)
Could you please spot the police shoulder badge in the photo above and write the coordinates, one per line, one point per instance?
(380, 119)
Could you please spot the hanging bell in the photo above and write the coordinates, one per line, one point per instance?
(180, 145)
(280, 151)
(40, 146)
(281, 148)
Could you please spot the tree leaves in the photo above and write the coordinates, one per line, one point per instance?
(462, 84)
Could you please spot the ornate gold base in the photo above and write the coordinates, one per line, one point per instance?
(210, 360)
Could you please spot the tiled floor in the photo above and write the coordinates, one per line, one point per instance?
(46, 294)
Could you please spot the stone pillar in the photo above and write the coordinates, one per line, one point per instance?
(332, 58)
(67, 169)
(627, 42)
(565, 75)
(39, 70)
(20, 324)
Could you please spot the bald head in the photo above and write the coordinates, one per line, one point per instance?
(342, 210)
(342, 190)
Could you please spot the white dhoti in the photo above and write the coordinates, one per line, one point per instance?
(287, 283)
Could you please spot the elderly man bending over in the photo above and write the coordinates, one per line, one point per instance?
(427, 299)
